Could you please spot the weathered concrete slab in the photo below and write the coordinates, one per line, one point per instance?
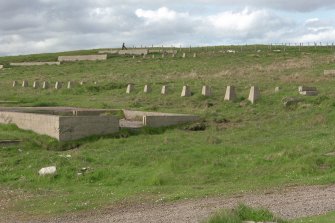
(186, 92)
(82, 58)
(305, 88)
(147, 88)
(62, 128)
(34, 63)
(254, 94)
(329, 72)
(230, 94)
(134, 52)
(206, 91)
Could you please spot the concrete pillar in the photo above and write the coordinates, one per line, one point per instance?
(163, 55)
(45, 85)
(133, 57)
(69, 85)
(186, 92)
(1, 67)
(130, 88)
(195, 55)
(277, 89)
(184, 55)
(147, 88)
(58, 85)
(153, 56)
(14, 83)
(254, 94)
(173, 55)
(230, 94)
(24, 83)
(82, 82)
(35, 84)
(206, 91)
(164, 89)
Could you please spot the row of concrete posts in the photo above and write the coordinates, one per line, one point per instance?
(163, 56)
(46, 85)
(230, 95)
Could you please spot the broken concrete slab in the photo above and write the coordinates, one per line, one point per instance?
(82, 58)
(254, 94)
(130, 88)
(186, 92)
(147, 88)
(34, 63)
(230, 94)
(206, 91)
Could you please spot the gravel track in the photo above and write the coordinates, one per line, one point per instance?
(288, 203)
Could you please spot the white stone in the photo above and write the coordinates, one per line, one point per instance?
(230, 94)
(47, 171)
(254, 94)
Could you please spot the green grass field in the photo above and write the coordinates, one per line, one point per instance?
(244, 148)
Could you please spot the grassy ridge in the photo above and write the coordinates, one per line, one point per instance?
(244, 148)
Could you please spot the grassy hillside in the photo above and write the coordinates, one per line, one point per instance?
(244, 148)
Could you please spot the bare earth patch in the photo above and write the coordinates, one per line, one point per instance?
(289, 203)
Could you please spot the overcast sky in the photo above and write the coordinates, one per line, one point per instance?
(35, 26)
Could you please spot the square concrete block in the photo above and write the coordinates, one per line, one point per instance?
(164, 90)
(24, 83)
(147, 88)
(130, 88)
(186, 92)
(206, 91)
(230, 94)
(254, 94)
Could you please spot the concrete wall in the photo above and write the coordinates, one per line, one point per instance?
(39, 123)
(161, 121)
(34, 63)
(76, 127)
(134, 52)
(109, 51)
(82, 58)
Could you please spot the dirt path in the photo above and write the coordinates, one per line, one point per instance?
(289, 203)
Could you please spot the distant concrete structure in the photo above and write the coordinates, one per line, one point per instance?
(34, 63)
(58, 85)
(230, 94)
(130, 88)
(147, 88)
(277, 89)
(307, 91)
(24, 83)
(329, 72)
(45, 85)
(14, 83)
(82, 58)
(186, 92)
(206, 91)
(134, 52)
(36, 84)
(254, 94)
(164, 90)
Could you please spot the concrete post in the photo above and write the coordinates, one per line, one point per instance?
(230, 94)
(184, 55)
(194, 55)
(25, 83)
(130, 88)
(206, 91)
(277, 89)
(147, 88)
(186, 92)
(254, 94)
(69, 85)
(45, 85)
(58, 85)
(164, 90)
(14, 83)
(35, 84)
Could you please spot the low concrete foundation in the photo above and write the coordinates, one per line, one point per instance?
(34, 63)
(134, 52)
(82, 58)
(109, 51)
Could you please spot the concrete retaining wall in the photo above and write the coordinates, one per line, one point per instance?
(82, 58)
(109, 51)
(134, 52)
(34, 63)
